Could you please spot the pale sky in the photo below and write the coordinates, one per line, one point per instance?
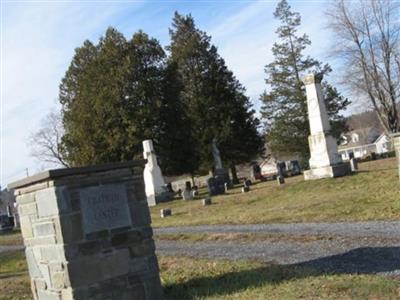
(38, 39)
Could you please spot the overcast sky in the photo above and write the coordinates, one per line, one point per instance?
(38, 39)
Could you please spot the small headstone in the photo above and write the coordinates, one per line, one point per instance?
(281, 168)
(280, 179)
(353, 165)
(245, 189)
(165, 212)
(206, 201)
(187, 194)
(226, 187)
(6, 223)
(216, 186)
(169, 187)
(194, 193)
(373, 156)
(295, 167)
(247, 183)
(188, 185)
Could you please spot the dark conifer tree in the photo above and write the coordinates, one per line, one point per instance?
(213, 98)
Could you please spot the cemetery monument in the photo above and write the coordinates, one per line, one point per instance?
(325, 160)
(156, 190)
(216, 184)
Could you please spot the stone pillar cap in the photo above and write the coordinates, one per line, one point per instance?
(57, 173)
(312, 78)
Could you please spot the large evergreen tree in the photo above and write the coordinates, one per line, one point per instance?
(111, 95)
(284, 103)
(213, 99)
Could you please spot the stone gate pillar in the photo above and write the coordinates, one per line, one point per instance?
(87, 233)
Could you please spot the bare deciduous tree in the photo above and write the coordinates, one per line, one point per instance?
(46, 143)
(368, 42)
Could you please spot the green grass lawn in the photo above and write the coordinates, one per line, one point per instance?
(371, 194)
(188, 278)
(14, 278)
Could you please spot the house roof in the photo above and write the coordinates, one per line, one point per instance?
(367, 135)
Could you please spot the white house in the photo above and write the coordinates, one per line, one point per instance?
(363, 142)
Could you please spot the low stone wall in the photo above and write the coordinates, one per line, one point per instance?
(87, 233)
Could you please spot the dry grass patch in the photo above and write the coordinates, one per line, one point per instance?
(186, 278)
(371, 194)
(12, 238)
(190, 279)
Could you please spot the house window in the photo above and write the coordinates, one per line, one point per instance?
(355, 138)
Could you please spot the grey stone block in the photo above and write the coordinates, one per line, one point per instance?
(142, 249)
(140, 214)
(52, 253)
(27, 209)
(43, 229)
(138, 265)
(33, 265)
(69, 228)
(25, 198)
(48, 295)
(26, 227)
(40, 241)
(153, 289)
(46, 201)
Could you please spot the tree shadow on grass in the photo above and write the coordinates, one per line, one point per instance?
(368, 260)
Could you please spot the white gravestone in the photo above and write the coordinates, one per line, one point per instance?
(325, 160)
(153, 179)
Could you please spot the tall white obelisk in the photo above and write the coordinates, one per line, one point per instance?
(325, 160)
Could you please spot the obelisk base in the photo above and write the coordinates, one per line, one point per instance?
(338, 170)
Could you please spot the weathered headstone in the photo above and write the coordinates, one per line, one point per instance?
(218, 167)
(245, 189)
(216, 186)
(187, 194)
(280, 179)
(353, 165)
(6, 223)
(165, 212)
(87, 233)
(281, 168)
(226, 185)
(325, 160)
(206, 201)
(247, 182)
(156, 190)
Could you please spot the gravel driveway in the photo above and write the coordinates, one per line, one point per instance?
(357, 247)
(360, 247)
